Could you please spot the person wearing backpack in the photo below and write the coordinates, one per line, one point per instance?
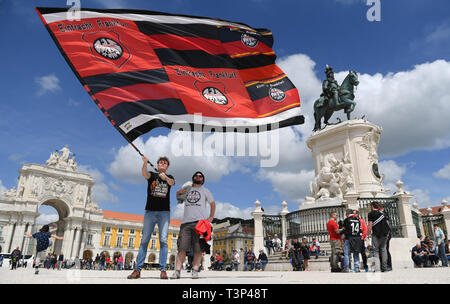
(379, 229)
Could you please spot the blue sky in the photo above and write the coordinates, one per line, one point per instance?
(403, 62)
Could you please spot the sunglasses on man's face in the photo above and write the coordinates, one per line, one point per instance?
(198, 175)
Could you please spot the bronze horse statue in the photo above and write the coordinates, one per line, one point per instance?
(323, 108)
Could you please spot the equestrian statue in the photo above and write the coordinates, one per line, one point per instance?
(335, 97)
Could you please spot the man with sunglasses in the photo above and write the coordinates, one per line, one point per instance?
(157, 211)
(196, 208)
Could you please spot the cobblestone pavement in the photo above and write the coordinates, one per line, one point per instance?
(400, 276)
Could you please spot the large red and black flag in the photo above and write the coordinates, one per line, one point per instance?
(147, 69)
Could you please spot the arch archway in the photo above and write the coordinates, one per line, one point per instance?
(56, 221)
(106, 253)
(87, 254)
(129, 257)
(151, 258)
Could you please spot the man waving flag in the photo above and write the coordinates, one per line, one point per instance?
(147, 69)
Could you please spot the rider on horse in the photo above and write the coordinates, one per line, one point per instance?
(330, 88)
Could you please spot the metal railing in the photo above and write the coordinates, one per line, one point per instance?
(390, 206)
(429, 220)
(272, 226)
(416, 221)
(311, 223)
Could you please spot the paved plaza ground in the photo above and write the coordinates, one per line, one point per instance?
(401, 276)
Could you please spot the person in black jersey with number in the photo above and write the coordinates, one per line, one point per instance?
(353, 242)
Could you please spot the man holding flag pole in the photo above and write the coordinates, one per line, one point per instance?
(157, 211)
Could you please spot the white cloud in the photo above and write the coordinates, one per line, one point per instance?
(48, 83)
(422, 197)
(128, 163)
(391, 170)
(443, 172)
(100, 191)
(2, 188)
(224, 210)
(411, 107)
(290, 186)
(44, 219)
(440, 33)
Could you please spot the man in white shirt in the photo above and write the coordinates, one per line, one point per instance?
(195, 209)
(235, 260)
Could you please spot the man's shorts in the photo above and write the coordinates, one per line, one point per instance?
(189, 238)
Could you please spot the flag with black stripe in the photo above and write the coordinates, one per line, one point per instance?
(146, 69)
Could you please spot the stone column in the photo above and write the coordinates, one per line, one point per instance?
(406, 221)
(19, 234)
(76, 244)
(258, 239)
(8, 233)
(283, 213)
(83, 243)
(68, 241)
(26, 245)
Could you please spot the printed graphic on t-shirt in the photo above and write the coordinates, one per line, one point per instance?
(193, 197)
(159, 189)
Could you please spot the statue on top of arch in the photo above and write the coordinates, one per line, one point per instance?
(62, 160)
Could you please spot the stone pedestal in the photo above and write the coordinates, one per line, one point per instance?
(258, 239)
(283, 213)
(356, 142)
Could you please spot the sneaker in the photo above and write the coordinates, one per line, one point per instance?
(366, 269)
(346, 271)
(163, 275)
(194, 274)
(136, 274)
(176, 275)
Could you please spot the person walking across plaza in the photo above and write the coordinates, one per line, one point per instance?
(15, 256)
(42, 243)
(335, 241)
(157, 211)
(196, 203)
(440, 240)
(379, 229)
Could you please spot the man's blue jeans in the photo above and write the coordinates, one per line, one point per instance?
(441, 252)
(162, 218)
(262, 263)
(347, 257)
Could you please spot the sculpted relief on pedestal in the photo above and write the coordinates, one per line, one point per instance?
(334, 179)
(370, 142)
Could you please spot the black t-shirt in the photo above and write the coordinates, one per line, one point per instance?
(380, 226)
(352, 227)
(158, 193)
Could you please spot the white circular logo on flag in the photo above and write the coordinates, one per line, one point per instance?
(108, 48)
(193, 197)
(277, 94)
(249, 40)
(215, 95)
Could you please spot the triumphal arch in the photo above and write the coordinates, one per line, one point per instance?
(57, 184)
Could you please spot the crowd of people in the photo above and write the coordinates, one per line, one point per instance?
(354, 238)
(428, 253)
(349, 238)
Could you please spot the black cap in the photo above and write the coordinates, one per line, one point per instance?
(198, 172)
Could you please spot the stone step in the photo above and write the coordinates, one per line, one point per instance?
(320, 264)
